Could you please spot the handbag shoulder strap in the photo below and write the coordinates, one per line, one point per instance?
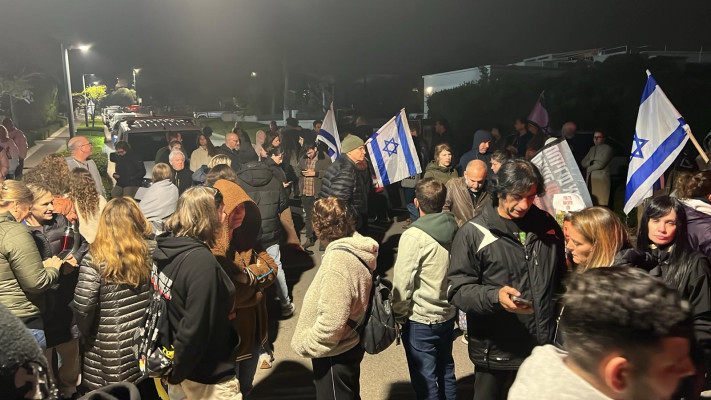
(347, 250)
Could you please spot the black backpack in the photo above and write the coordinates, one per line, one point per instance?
(154, 360)
(378, 329)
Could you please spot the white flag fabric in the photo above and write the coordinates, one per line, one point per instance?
(392, 151)
(660, 135)
(329, 135)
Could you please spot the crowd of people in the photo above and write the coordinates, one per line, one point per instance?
(578, 310)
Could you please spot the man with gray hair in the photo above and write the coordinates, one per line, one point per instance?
(180, 176)
(80, 150)
(506, 267)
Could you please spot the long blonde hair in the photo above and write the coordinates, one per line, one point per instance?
(196, 215)
(120, 243)
(82, 191)
(606, 233)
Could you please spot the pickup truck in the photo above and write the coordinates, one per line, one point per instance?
(209, 114)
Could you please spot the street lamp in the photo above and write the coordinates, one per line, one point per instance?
(135, 72)
(86, 100)
(68, 82)
(254, 74)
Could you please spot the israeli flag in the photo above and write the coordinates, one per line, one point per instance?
(392, 151)
(329, 135)
(660, 136)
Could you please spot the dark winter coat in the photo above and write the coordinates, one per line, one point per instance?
(484, 258)
(130, 170)
(698, 224)
(694, 285)
(343, 180)
(107, 315)
(232, 154)
(198, 324)
(474, 154)
(57, 314)
(182, 179)
(267, 191)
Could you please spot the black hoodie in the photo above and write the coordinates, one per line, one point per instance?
(198, 311)
(267, 191)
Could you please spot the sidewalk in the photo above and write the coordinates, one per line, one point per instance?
(54, 143)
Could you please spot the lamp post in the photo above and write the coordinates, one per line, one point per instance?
(68, 83)
(135, 72)
(86, 100)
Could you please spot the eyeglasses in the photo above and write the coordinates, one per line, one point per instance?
(218, 197)
(85, 144)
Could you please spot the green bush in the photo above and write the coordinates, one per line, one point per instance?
(42, 133)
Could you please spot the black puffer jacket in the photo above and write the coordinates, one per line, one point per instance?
(57, 314)
(484, 258)
(266, 189)
(343, 180)
(130, 170)
(233, 155)
(107, 315)
(183, 179)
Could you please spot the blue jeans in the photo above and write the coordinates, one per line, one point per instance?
(429, 358)
(281, 288)
(39, 337)
(246, 369)
(409, 194)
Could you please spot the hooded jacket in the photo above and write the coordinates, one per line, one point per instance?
(267, 191)
(420, 281)
(23, 278)
(198, 323)
(340, 291)
(473, 154)
(107, 315)
(698, 224)
(240, 254)
(442, 174)
(130, 170)
(484, 258)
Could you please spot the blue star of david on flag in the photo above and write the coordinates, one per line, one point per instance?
(392, 150)
(639, 143)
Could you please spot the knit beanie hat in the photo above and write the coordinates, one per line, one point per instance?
(350, 143)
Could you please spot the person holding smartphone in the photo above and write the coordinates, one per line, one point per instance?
(506, 266)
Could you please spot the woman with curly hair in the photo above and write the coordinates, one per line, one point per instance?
(87, 201)
(114, 280)
(52, 172)
(337, 297)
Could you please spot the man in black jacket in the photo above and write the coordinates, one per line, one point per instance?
(506, 266)
(343, 179)
(231, 149)
(180, 176)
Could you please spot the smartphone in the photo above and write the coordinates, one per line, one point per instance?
(521, 301)
(64, 254)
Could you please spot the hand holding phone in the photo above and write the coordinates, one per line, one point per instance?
(521, 301)
(506, 300)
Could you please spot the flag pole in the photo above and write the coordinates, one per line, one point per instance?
(696, 143)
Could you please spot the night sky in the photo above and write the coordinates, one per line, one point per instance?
(213, 45)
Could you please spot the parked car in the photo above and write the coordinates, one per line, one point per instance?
(146, 135)
(108, 112)
(209, 114)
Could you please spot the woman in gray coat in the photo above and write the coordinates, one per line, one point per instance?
(112, 294)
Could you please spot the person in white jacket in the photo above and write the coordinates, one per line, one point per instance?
(339, 292)
(420, 294)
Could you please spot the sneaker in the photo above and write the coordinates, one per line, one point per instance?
(465, 338)
(265, 361)
(308, 243)
(287, 310)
